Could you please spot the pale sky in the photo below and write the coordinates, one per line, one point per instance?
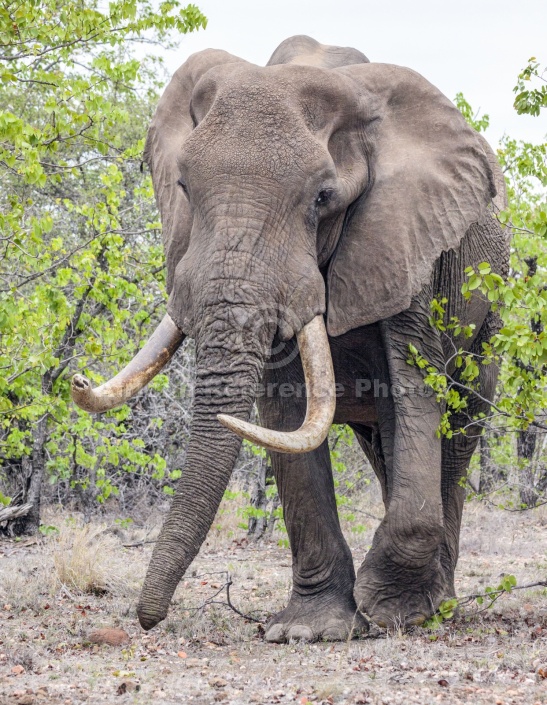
(474, 46)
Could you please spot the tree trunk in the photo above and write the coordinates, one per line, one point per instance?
(491, 476)
(526, 446)
(29, 524)
(35, 465)
(265, 521)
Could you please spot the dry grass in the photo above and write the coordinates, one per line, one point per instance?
(84, 559)
(493, 657)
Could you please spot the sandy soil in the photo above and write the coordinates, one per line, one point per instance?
(213, 655)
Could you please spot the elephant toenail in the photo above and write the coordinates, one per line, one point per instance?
(334, 634)
(275, 634)
(299, 632)
(415, 620)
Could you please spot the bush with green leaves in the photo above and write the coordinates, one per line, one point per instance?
(81, 267)
(520, 347)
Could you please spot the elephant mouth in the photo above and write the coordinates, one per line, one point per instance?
(162, 345)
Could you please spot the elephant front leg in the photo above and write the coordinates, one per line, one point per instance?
(322, 605)
(457, 451)
(401, 581)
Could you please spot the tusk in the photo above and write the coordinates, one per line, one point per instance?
(321, 391)
(146, 364)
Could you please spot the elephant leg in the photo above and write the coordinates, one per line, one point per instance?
(457, 452)
(401, 581)
(321, 605)
(371, 444)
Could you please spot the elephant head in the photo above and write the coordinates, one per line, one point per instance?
(319, 184)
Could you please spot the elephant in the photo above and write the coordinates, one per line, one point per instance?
(311, 210)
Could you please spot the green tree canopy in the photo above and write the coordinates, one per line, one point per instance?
(81, 264)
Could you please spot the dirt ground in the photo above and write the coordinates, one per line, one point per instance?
(211, 654)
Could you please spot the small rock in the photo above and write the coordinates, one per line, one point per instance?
(192, 662)
(218, 683)
(112, 637)
(26, 699)
(221, 695)
(17, 670)
(127, 687)
(443, 683)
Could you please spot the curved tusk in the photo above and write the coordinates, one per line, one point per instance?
(146, 364)
(321, 391)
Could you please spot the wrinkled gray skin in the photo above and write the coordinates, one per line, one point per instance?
(323, 183)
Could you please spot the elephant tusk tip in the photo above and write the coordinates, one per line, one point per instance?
(81, 392)
(80, 384)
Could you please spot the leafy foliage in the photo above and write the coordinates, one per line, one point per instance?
(520, 347)
(447, 609)
(81, 271)
(531, 100)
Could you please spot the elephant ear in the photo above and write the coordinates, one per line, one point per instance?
(430, 180)
(170, 126)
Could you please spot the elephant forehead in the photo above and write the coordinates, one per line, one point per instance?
(264, 144)
(273, 95)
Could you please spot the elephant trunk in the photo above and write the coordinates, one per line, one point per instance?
(226, 383)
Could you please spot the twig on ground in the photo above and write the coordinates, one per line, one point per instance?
(67, 592)
(515, 509)
(466, 599)
(228, 603)
(138, 543)
(142, 542)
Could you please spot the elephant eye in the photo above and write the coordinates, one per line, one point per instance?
(323, 197)
(181, 183)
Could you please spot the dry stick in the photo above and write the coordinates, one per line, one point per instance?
(494, 596)
(139, 543)
(228, 603)
(517, 509)
(466, 599)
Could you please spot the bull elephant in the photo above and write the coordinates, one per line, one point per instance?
(311, 210)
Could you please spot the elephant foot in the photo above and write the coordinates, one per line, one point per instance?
(396, 597)
(316, 619)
